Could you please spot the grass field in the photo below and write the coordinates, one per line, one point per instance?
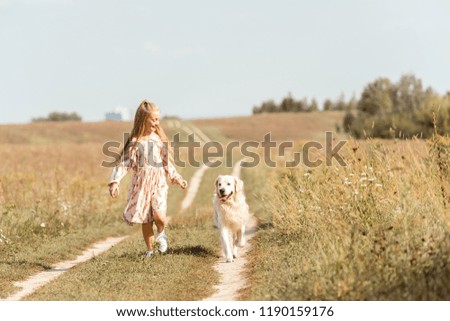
(376, 229)
(282, 126)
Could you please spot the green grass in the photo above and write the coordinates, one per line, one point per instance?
(21, 260)
(125, 274)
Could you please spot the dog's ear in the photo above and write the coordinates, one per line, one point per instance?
(217, 181)
(238, 185)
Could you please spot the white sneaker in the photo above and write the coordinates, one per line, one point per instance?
(148, 253)
(162, 240)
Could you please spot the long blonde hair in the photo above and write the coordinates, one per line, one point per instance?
(144, 111)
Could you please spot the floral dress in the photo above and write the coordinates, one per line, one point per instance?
(148, 158)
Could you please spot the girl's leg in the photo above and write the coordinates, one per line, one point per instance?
(159, 208)
(160, 221)
(147, 232)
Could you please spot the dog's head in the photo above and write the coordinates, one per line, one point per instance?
(228, 186)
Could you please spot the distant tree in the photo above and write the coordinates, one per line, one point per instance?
(256, 110)
(301, 105)
(403, 109)
(349, 118)
(407, 94)
(266, 107)
(376, 98)
(288, 104)
(269, 106)
(352, 103)
(314, 106)
(58, 116)
(327, 105)
(340, 104)
(171, 117)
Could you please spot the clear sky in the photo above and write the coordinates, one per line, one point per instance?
(201, 58)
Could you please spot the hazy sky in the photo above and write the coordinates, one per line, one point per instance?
(209, 58)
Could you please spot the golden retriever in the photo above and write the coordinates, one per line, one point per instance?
(231, 214)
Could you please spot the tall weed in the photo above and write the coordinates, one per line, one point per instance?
(376, 229)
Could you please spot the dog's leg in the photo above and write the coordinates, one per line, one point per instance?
(235, 244)
(241, 236)
(215, 219)
(226, 246)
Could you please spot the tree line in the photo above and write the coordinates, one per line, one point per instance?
(58, 116)
(385, 109)
(290, 104)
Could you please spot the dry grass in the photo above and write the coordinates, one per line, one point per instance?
(53, 202)
(377, 229)
(283, 126)
(63, 132)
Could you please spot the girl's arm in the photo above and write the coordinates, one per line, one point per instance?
(127, 161)
(169, 168)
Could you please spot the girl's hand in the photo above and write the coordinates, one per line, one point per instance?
(113, 190)
(183, 184)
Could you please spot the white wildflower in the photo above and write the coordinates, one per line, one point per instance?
(42, 225)
(64, 207)
(3, 238)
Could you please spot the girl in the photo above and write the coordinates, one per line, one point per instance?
(147, 153)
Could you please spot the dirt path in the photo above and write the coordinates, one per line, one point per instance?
(232, 279)
(200, 135)
(194, 185)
